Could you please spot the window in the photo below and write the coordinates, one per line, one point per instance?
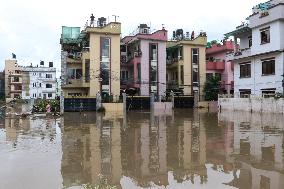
(195, 76)
(49, 95)
(245, 93)
(245, 70)
(39, 84)
(268, 67)
(48, 85)
(181, 74)
(219, 76)
(265, 35)
(39, 74)
(250, 41)
(209, 76)
(105, 47)
(48, 75)
(74, 73)
(139, 72)
(266, 93)
(153, 52)
(34, 73)
(34, 84)
(195, 56)
(16, 79)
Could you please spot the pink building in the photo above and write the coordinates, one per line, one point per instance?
(218, 66)
(143, 62)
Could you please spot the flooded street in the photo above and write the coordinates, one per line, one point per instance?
(184, 149)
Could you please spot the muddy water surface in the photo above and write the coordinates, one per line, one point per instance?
(184, 149)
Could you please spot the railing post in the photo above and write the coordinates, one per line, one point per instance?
(124, 103)
(152, 99)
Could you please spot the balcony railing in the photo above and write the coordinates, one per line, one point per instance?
(241, 53)
(76, 83)
(215, 65)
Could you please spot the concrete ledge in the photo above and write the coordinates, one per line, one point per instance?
(113, 107)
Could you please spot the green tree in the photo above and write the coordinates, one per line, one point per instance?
(211, 89)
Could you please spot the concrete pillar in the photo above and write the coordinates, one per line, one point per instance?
(124, 103)
(98, 101)
(235, 44)
(173, 99)
(152, 100)
(61, 104)
(196, 94)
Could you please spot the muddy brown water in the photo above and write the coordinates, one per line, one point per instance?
(183, 149)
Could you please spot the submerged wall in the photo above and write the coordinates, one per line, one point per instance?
(265, 105)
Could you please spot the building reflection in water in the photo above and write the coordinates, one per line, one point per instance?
(244, 151)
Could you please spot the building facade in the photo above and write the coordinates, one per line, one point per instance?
(39, 82)
(13, 79)
(218, 66)
(143, 61)
(259, 58)
(2, 85)
(90, 59)
(186, 63)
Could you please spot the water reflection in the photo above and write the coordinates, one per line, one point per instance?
(182, 149)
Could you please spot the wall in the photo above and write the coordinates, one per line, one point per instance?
(274, 44)
(254, 104)
(257, 82)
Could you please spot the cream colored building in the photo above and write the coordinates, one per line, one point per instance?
(186, 63)
(90, 59)
(13, 79)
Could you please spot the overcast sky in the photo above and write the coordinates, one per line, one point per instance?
(31, 28)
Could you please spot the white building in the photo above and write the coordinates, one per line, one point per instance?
(39, 82)
(259, 51)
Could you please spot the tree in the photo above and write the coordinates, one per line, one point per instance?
(211, 89)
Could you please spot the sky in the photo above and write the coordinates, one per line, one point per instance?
(31, 29)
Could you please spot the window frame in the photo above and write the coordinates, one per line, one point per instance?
(272, 68)
(263, 30)
(246, 75)
(193, 54)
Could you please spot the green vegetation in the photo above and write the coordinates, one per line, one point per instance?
(211, 89)
(41, 105)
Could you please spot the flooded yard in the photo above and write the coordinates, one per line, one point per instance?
(184, 149)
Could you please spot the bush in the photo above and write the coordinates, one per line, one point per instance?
(41, 105)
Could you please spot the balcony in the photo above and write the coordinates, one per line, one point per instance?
(76, 83)
(74, 58)
(215, 66)
(241, 53)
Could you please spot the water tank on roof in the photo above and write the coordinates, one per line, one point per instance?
(41, 63)
(179, 33)
(174, 34)
(101, 21)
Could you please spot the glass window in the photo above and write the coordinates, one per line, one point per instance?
(195, 75)
(195, 56)
(245, 93)
(181, 74)
(105, 47)
(268, 67)
(49, 95)
(250, 41)
(265, 35)
(139, 71)
(48, 85)
(48, 75)
(245, 70)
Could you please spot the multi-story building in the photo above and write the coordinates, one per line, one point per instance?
(13, 79)
(2, 85)
(90, 59)
(143, 61)
(218, 66)
(39, 82)
(186, 63)
(259, 57)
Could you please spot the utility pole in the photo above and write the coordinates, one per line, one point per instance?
(115, 17)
